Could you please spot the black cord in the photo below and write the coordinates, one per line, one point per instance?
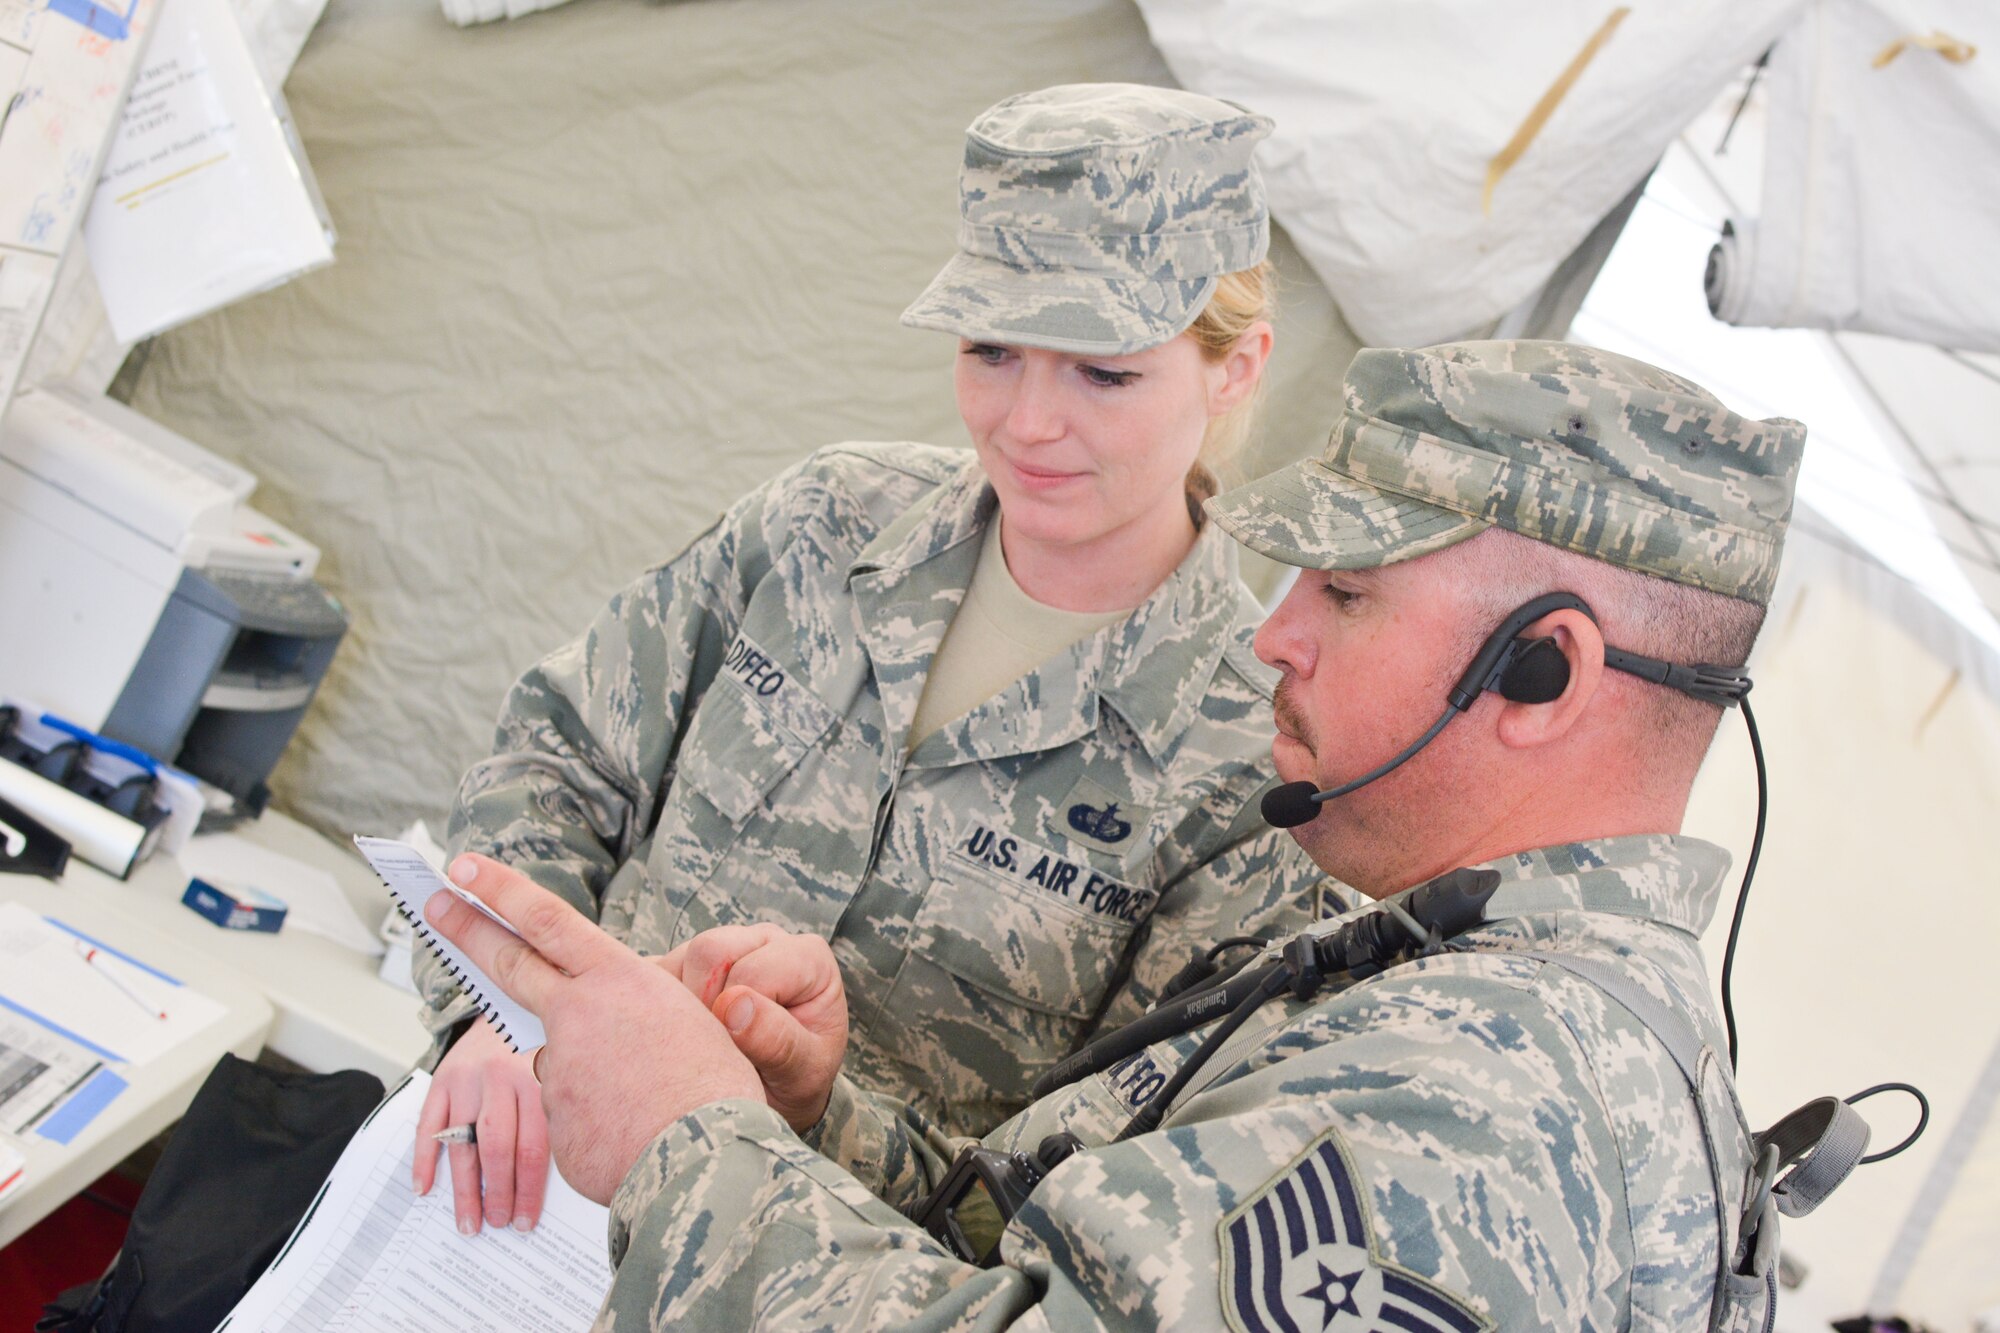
(1374, 773)
(1273, 983)
(1736, 928)
(1236, 942)
(1923, 1117)
(1743, 889)
(1443, 908)
(1756, 71)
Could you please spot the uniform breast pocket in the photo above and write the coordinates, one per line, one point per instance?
(1002, 973)
(738, 750)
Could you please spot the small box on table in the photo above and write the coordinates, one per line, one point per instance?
(235, 908)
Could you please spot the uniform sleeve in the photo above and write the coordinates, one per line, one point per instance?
(586, 739)
(882, 1142)
(1444, 1167)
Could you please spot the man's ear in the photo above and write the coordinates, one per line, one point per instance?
(1524, 726)
(1238, 374)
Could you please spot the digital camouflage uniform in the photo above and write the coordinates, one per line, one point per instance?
(726, 744)
(1485, 1140)
(1478, 1139)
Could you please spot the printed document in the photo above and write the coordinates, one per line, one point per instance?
(204, 196)
(38, 1070)
(371, 1256)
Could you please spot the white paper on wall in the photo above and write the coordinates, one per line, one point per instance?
(203, 199)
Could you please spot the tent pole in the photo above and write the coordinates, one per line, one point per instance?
(1933, 1194)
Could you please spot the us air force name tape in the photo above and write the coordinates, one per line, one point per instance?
(1022, 862)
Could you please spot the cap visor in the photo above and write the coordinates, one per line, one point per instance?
(988, 301)
(1311, 516)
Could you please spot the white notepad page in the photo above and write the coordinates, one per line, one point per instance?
(412, 881)
(371, 1256)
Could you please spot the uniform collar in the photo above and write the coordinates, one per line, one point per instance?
(1163, 656)
(941, 520)
(1152, 668)
(1661, 877)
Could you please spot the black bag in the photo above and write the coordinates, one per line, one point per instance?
(234, 1180)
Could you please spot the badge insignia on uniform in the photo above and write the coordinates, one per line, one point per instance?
(1298, 1257)
(1103, 825)
(1101, 817)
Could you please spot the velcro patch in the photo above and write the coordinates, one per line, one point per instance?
(753, 668)
(1137, 1079)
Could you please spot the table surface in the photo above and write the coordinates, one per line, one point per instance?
(306, 998)
(157, 1091)
(332, 1010)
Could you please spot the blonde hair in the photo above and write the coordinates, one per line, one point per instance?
(1241, 299)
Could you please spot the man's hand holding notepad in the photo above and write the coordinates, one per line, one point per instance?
(630, 1049)
(413, 882)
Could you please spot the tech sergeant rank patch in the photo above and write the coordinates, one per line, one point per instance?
(1297, 1258)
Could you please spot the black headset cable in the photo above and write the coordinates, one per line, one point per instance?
(1743, 889)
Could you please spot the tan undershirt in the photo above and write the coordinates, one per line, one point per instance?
(999, 635)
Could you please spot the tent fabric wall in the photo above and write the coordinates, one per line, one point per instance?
(1867, 944)
(602, 270)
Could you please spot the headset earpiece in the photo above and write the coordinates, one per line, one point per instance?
(1537, 672)
(1504, 646)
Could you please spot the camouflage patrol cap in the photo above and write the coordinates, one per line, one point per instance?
(1582, 449)
(1096, 218)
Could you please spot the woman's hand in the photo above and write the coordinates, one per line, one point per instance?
(482, 1082)
(780, 998)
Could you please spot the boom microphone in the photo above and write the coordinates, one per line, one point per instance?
(1290, 805)
(1296, 802)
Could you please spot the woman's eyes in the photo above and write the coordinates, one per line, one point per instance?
(1098, 377)
(1107, 379)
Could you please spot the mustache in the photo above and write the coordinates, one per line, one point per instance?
(1285, 711)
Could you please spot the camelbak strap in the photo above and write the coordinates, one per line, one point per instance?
(1826, 1139)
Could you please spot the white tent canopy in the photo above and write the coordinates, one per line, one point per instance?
(1881, 145)
(1436, 161)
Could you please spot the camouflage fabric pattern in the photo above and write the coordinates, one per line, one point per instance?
(1576, 447)
(727, 744)
(1521, 1153)
(1096, 218)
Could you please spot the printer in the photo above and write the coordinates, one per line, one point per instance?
(143, 599)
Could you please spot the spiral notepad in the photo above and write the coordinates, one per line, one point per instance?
(411, 880)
